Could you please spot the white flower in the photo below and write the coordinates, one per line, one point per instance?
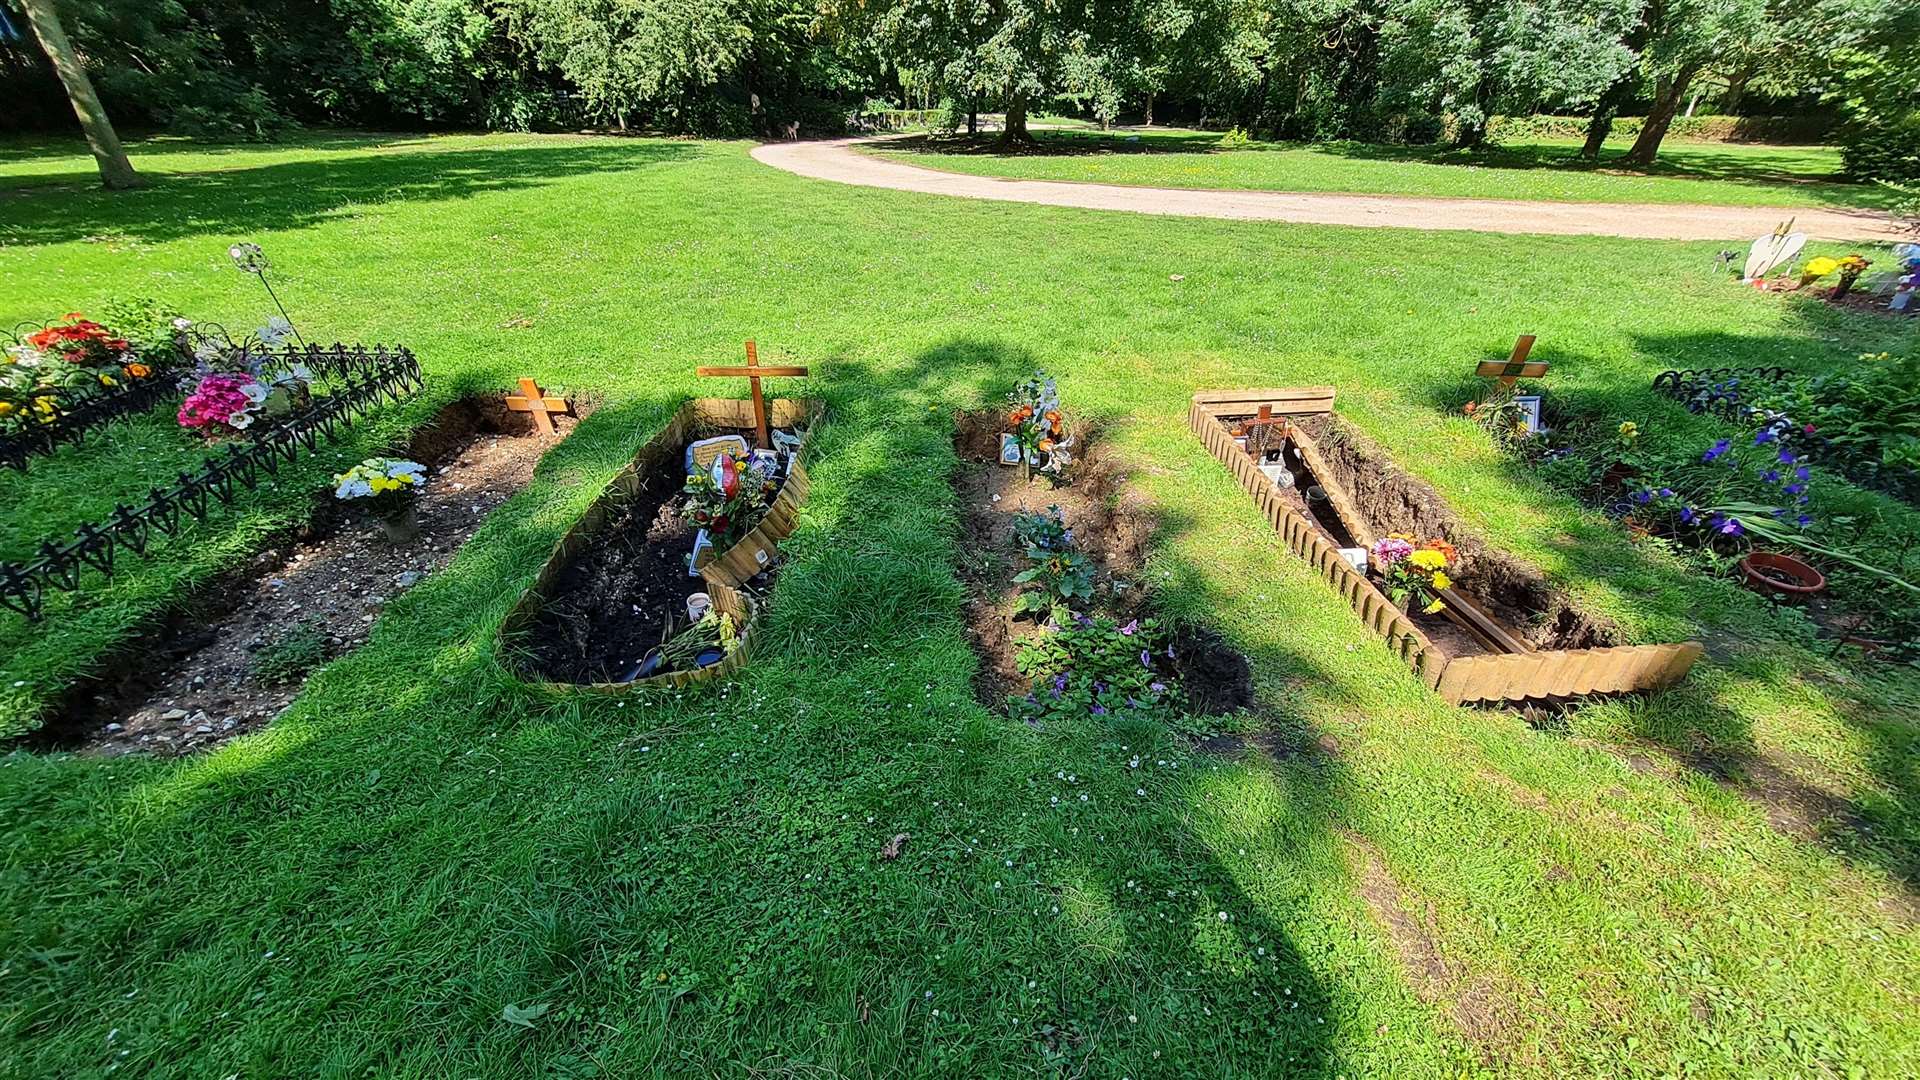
(254, 392)
(240, 420)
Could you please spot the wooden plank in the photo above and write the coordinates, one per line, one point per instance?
(1469, 616)
(1294, 400)
(1343, 505)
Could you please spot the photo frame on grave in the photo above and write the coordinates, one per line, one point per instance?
(1529, 406)
(702, 453)
(1009, 449)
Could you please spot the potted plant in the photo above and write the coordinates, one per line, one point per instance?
(390, 486)
(1851, 268)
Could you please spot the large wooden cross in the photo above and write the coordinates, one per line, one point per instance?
(1514, 367)
(541, 406)
(753, 373)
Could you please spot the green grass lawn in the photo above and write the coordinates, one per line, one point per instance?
(1729, 174)
(690, 882)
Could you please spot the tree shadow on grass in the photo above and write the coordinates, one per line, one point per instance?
(297, 194)
(1707, 729)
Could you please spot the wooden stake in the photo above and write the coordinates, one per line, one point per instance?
(530, 399)
(753, 372)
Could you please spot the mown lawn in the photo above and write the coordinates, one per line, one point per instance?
(1728, 174)
(690, 883)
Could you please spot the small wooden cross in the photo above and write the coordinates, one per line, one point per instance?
(1265, 419)
(541, 406)
(753, 372)
(1514, 367)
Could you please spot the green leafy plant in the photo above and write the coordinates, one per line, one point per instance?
(293, 654)
(1058, 575)
(1099, 667)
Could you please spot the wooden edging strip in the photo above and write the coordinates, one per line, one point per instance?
(1516, 675)
(724, 583)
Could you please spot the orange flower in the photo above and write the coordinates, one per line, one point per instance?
(1046, 445)
(1469, 407)
(139, 371)
(1440, 545)
(1053, 416)
(1056, 428)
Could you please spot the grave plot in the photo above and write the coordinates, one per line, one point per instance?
(656, 584)
(1054, 611)
(1478, 624)
(234, 655)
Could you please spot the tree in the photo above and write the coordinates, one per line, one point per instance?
(1472, 59)
(1685, 37)
(116, 171)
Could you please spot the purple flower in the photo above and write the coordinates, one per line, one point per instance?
(1099, 710)
(1764, 436)
(1643, 496)
(1688, 515)
(1666, 493)
(1794, 489)
(1099, 687)
(1059, 684)
(1802, 473)
(1731, 527)
(1169, 652)
(1803, 521)
(1157, 687)
(1788, 457)
(1713, 452)
(1130, 629)
(1146, 659)
(1771, 476)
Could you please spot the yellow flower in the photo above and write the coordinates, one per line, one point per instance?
(1629, 430)
(6, 408)
(1820, 267)
(1441, 580)
(1434, 608)
(1427, 559)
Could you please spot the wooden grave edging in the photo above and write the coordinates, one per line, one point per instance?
(1518, 676)
(725, 573)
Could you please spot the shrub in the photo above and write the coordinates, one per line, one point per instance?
(293, 654)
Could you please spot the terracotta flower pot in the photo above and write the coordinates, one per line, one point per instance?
(1771, 572)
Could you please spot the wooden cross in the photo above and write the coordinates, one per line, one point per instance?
(753, 372)
(1514, 367)
(1265, 419)
(541, 406)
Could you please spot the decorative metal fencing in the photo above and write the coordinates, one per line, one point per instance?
(1721, 391)
(365, 376)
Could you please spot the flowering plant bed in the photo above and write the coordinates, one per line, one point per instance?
(1502, 633)
(59, 381)
(1063, 627)
(610, 608)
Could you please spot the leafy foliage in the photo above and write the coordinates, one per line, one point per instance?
(1098, 667)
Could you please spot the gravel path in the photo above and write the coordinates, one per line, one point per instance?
(839, 161)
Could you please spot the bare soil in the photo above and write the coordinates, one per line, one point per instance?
(1515, 593)
(616, 600)
(210, 672)
(1111, 522)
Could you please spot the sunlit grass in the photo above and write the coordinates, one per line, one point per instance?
(691, 881)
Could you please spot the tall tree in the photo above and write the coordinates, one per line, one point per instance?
(1686, 37)
(115, 170)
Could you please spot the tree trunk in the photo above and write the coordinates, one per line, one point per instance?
(115, 170)
(1015, 129)
(1666, 103)
(1736, 89)
(973, 116)
(1149, 122)
(1604, 111)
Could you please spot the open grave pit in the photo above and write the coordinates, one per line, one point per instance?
(616, 587)
(233, 655)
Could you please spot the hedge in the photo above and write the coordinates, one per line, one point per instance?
(1758, 129)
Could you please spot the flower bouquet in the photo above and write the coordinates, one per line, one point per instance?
(729, 499)
(1037, 426)
(1414, 575)
(389, 486)
(224, 404)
